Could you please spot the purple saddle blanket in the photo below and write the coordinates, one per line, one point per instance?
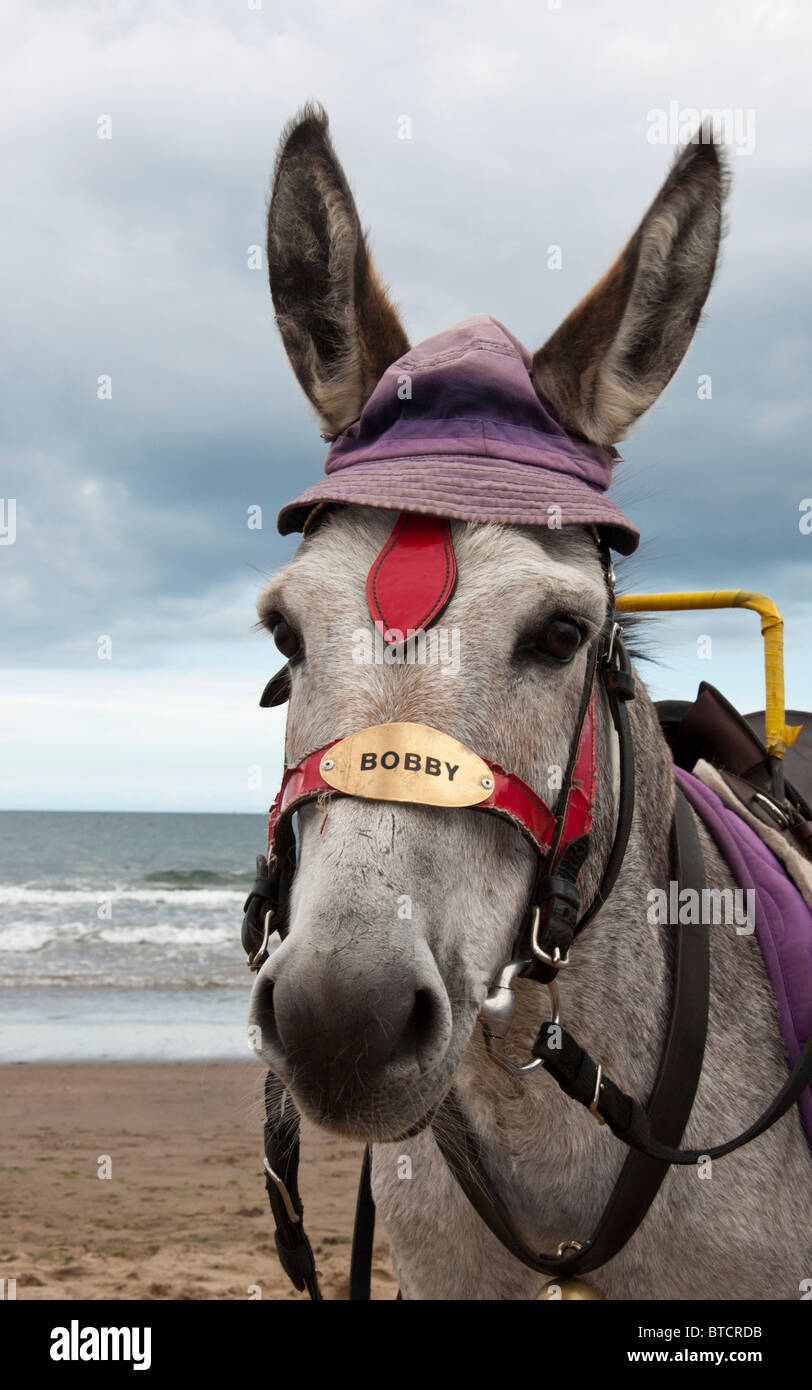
(783, 922)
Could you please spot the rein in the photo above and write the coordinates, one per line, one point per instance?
(550, 924)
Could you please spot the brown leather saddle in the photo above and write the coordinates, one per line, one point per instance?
(710, 728)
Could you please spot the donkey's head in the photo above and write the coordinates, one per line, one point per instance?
(401, 915)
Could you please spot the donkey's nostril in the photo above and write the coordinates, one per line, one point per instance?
(421, 1039)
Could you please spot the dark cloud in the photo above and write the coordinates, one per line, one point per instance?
(129, 257)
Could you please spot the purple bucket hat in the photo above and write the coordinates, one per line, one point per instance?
(455, 429)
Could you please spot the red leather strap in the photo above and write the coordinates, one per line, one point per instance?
(577, 813)
(411, 580)
(299, 784)
(511, 797)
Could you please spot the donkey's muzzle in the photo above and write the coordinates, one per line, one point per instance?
(347, 1033)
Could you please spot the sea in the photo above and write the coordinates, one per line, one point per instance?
(120, 935)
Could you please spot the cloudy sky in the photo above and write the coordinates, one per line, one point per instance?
(129, 258)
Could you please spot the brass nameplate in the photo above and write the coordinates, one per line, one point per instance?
(407, 762)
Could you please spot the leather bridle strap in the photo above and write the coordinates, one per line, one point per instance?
(628, 1120)
(619, 683)
(582, 1079)
(555, 894)
(282, 1185)
(363, 1235)
(668, 1108)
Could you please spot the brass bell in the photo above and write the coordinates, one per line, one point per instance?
(570, 1287)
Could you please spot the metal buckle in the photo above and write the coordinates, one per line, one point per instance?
(556, 960)
(773, 810)
(293, 1215)
(613, 636)
(258, 958)
(593, 1109)
(497, 1016)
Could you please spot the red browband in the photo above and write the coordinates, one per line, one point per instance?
(413, 577)
(511, 797)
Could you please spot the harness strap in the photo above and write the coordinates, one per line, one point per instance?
(629, 1122)
(363, 1234)
(282, 1185)
(556, 896)
(668, 1109)
(619, 688)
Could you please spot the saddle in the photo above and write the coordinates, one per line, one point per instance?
(710, 729)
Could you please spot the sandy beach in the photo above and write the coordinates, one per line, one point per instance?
(184, 1214)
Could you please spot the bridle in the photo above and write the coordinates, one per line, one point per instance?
(560, 837)
(550, 924)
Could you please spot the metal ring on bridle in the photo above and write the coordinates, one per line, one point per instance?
(258, 958)
(497, 1013)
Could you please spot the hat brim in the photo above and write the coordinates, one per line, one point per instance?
(469, 488)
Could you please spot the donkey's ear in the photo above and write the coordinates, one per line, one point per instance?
(613, 355)
(338, 326)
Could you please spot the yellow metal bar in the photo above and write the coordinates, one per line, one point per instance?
(779, 736)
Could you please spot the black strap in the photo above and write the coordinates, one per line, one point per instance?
(263, 898)
(270, 893)
(556, 894)
(596, 654)
(674, 1090)
(282, 1185)
(628, 1120)
(619, 684)
(669, 1106)
(576, 1073)
(363, 1235)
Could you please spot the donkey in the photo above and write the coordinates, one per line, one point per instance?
(402, 915)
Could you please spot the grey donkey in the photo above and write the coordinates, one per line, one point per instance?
(368, 1014)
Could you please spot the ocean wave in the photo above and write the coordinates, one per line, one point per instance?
(211, 878)
(115, 980)
(35, 936)
(26, 895)
(164, 934)
(32, 936)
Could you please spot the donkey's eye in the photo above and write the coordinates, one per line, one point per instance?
(286, 638)
(560, 639)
